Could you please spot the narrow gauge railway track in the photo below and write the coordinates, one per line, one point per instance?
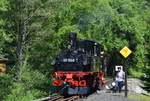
(58, 98)
(72, 98)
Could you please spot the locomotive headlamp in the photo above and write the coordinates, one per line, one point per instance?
(53, 62)
(102, 54)
(64, 83)
(95, 43)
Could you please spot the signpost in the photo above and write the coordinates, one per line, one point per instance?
(125, 52)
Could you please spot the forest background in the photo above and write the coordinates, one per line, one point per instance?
(33, 32)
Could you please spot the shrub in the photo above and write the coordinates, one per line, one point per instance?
(5, 83)
(33, 85)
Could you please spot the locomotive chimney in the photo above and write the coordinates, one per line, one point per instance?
(73, 37)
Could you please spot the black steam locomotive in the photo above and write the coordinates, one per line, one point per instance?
(73, 68)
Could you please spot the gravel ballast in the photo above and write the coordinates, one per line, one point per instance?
(106, 97)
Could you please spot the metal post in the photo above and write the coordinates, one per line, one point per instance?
(125, 52)
(102, 60)
(125, 68)
(94, 63)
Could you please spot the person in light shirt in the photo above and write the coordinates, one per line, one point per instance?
(120, 78)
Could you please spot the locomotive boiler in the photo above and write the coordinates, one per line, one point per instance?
(77, 70)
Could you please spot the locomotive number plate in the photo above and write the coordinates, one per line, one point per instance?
(68, 60)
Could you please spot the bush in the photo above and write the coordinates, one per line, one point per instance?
(33, 85)
(20, 93)
(5, 84)
(134, 73)
(146, 77)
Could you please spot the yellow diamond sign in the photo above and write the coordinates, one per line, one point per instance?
(125, 52)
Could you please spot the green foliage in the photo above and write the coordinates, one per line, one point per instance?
(20, 93)
(135, 73)
(41, 28)
(4, 37)
(5, 84)
(146, 77)
(141, 97)
(113, 23)
(4, 5)
(32, 86)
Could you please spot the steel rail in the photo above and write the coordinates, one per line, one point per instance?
(58, 98)
(50, 98)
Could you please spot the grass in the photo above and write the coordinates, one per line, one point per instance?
(108, 78)
(141, 97)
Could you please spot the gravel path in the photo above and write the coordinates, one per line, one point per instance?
(134, 87)
(106, 97)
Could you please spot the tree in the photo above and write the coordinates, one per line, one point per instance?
(4, 36)
(32, 32)
(28, 22)
(113, 23)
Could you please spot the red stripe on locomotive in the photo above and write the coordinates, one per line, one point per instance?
(77, 79)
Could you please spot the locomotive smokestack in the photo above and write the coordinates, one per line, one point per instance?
(73, 38)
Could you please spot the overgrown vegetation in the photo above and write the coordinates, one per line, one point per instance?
(32, 32)
(140, 97)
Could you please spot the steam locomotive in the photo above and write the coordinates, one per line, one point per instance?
(77, 70)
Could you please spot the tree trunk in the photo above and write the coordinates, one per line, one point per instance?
(21, 40)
